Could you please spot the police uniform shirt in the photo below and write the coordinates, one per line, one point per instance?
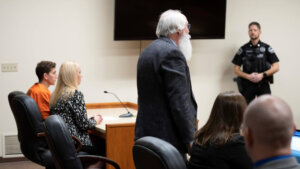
(258, 58)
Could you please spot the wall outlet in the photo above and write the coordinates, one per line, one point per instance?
(9, 67)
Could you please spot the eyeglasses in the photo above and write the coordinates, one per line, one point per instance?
(189, 26)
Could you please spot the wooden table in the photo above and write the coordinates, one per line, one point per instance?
(118, 132)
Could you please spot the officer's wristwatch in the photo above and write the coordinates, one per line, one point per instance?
(265, 74)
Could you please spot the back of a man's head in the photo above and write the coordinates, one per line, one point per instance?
(170, 22)
(270, 121)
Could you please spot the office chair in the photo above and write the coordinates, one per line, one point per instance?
(151, 152)
(29, 123)
(63, 149)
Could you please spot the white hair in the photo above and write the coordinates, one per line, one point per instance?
(170, 22)
(185, 46)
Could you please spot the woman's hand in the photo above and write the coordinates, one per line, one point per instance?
(98, 118)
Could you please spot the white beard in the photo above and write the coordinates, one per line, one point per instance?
(185, 46)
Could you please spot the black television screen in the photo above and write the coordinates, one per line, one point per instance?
(137, 19)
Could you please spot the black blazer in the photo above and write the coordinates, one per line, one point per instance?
(232, 155)
(167, 108)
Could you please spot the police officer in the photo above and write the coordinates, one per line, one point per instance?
(258, 62)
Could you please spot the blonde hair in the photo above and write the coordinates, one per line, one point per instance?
(67, 82)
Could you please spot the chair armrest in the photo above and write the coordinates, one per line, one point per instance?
(92, 159)
(41, 134)
(78, 143)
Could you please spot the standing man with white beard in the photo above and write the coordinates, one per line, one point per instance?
(167, 107)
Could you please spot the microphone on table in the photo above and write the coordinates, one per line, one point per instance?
(128, 114)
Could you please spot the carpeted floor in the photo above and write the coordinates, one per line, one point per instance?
(20, 165)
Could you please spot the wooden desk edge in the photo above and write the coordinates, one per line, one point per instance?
(111, 105)
(120, 125)
(102, 134)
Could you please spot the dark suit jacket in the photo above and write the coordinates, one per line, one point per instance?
(166, 105)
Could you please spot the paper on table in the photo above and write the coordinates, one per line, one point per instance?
(109, 118)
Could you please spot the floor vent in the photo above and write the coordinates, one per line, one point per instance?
(11, 146)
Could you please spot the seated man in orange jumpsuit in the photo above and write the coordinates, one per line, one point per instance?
(46, 72)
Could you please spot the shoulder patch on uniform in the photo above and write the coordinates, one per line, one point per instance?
(240, 51)
(270, 49)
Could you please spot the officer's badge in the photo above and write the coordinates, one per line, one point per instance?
(257, 50)
(240, 51)
(270, 49)
(262, 49)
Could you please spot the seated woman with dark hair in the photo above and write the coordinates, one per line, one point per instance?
(219, 144)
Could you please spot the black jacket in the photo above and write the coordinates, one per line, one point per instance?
(232, 155)
(166, 105)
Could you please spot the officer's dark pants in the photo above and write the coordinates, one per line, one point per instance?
(251, 90)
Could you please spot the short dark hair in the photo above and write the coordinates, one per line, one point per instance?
(254, 23)
(43, 67)
(225, 120)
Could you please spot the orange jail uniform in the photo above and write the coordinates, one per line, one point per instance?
(41, 95)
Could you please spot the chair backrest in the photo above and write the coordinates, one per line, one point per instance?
(12, 95)
(63, 149)
(29, 123)
(61, 143)
(151, 152)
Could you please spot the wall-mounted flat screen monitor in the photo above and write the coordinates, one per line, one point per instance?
(137, 19)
